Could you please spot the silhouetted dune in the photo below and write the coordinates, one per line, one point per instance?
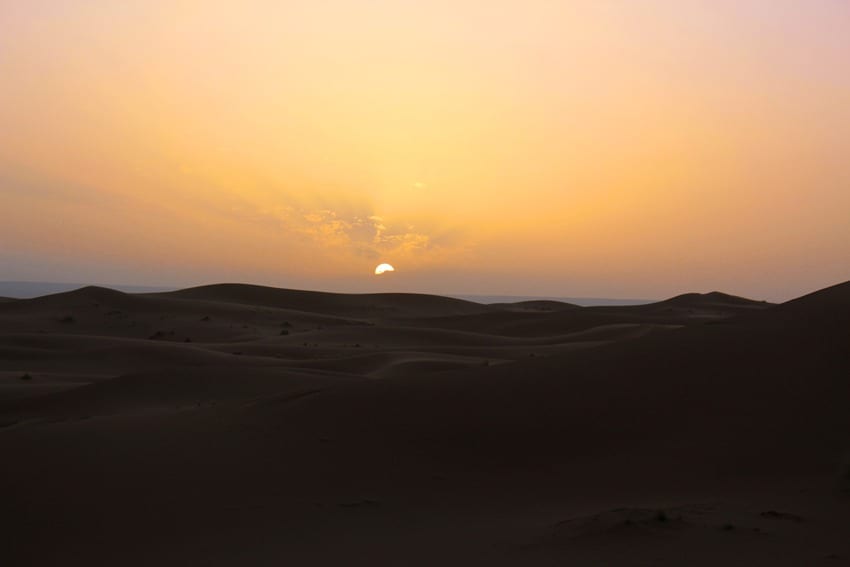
(97, 311)
(714, 299)
(350, 305)
(82, 297)
(830, 303)
(238, 425)
(535, 305)
(681, 310)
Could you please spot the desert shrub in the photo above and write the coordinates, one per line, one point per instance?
(661, 516)
(284, 332)
(67, 319)
(26, 377)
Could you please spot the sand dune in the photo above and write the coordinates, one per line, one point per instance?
(536, 305)
(310, 428)
(353, 305)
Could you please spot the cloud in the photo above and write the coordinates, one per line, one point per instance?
(370, 236)
(351, 229)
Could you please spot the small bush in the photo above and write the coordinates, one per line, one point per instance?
(284, 332)
(661, 516)
(67, 319)
(26, 377)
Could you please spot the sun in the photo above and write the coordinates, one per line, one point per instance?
(382, 268)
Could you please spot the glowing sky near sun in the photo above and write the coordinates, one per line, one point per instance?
(539, 147)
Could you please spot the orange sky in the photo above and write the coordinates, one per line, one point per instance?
(542, 147)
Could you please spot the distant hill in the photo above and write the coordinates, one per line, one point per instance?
(352, 305)
(712, 299)
(581, 301)
(26, 290)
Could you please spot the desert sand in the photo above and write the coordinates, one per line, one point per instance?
(242, 425)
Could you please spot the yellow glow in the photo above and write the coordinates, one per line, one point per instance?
(383, 268)
(544, 147)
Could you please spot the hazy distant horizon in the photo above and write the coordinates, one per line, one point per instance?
(21, 289)
(452, 284)
(29, 290)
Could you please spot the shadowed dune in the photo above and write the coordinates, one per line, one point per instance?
(353, 305)
(682, 310)
(536, 305)
(309, 428)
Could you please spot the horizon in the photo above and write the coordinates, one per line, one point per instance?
(33, 289)
(582, 149)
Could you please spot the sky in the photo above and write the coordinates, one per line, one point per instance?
(538, 147)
